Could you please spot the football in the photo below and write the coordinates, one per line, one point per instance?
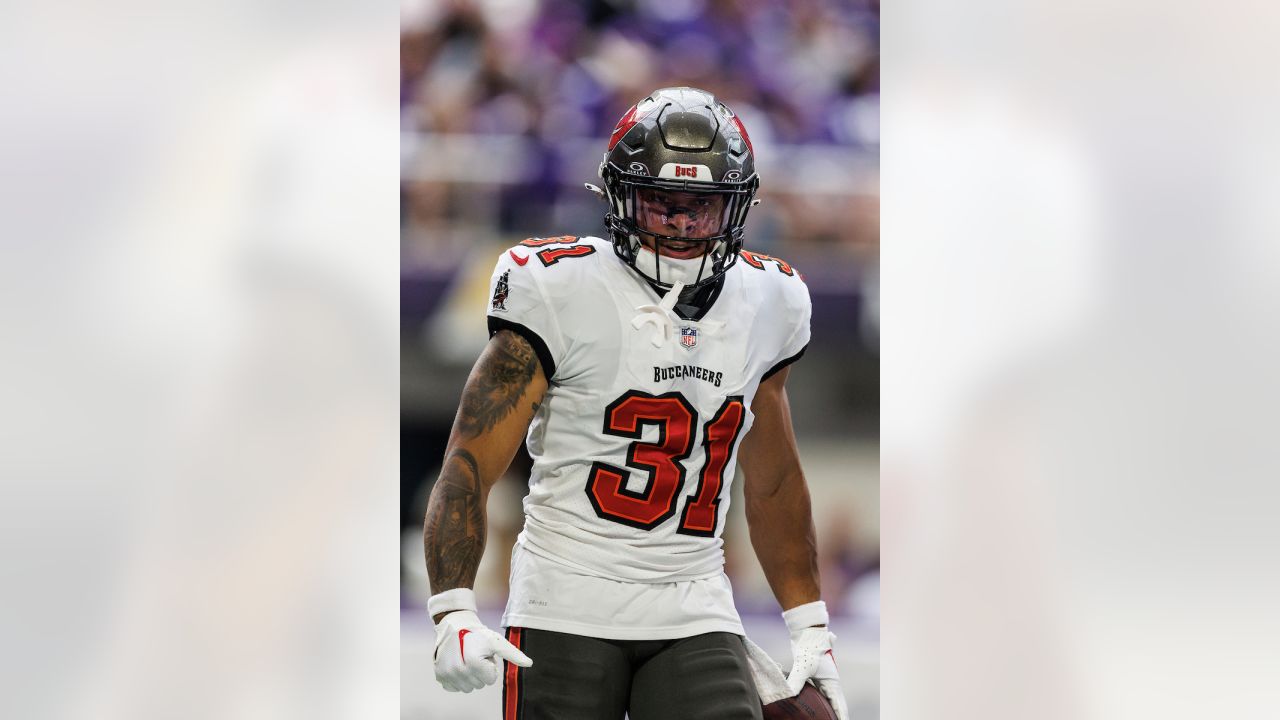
(810, 704)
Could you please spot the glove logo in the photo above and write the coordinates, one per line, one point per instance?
(453, 671)
(462, 645)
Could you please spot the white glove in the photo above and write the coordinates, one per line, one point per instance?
(811, 655)
(469, 655)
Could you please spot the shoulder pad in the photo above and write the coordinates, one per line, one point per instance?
(776, 278)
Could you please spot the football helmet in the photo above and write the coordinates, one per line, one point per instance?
(679, 177)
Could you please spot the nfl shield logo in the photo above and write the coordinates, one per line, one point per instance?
(688, 336)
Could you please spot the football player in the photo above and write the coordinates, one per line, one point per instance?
(639, 369)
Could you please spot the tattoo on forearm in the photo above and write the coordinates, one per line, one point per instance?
(454, 531)
(499, 381)
(455, 526)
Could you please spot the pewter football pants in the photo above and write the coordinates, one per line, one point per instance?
(705, 677)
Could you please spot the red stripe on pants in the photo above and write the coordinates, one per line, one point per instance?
(511, 682)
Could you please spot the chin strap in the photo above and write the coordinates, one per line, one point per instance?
(660, 316)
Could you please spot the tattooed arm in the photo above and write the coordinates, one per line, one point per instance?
(503, 392)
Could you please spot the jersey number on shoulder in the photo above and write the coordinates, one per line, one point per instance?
(662, 462)
(557, 240)
(551, 256)
(756, 260)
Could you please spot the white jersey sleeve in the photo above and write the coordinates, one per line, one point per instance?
(522, 300)
(794, 308)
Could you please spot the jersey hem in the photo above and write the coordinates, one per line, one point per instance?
(531, 546)
(604, 632)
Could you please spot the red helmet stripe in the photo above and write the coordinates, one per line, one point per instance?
(627, 122)
(743, 131)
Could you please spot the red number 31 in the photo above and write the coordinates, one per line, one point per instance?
(662, 461)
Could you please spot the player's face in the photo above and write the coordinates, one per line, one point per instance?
(679, 214)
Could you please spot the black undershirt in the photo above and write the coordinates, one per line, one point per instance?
(693, 304)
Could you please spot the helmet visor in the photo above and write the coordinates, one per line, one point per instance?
(679, 214)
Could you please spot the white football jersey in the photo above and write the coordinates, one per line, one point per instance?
(634, 446)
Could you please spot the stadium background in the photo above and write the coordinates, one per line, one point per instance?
(505, 109)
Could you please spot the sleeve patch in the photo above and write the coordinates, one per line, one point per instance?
(501, 291)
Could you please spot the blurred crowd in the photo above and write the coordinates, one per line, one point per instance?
(505, 105)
